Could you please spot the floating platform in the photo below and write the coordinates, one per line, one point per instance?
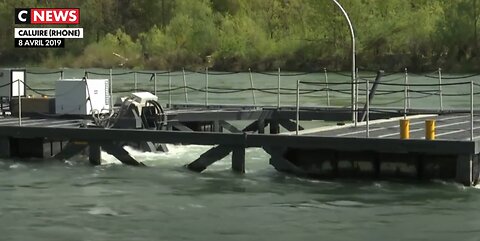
(347, 151)
(330, 152)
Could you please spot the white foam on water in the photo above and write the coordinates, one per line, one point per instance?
(16, 166)
(453, 184)
(312, 204)
(347, 203)
(476, 186)
(109, 159)
(176, 155)
(104, 211)
(180, 155)
(193, 205)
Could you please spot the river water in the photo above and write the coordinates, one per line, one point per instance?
(70, 200)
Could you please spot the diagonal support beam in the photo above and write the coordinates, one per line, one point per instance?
(256, 126)
(208, 158)
(121, 154)
(290, 125)
(162, 148)
(147, 146)
(229, 127)
(71, 149)
(218, 152)
(181, 127)
(253, 127)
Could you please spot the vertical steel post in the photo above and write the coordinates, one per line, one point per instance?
(367, 98)
(405, 95)
(279, 88)
(297, 122)
(356, 84)
(253, 88)
(440, 88)
(62, 74)
(169, 90)
(407, 81)
(471, 111)
(185, 85)
(326, 86)
(95, 154)
(19, 103)
(111, 89)
(135, 81)
(155, 83)
(206, 86)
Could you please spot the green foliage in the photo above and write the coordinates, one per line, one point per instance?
(157, 47)
(260, 34)
(112, 50)
(241, 43)
(193, 28)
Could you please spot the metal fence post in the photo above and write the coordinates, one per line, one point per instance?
(155, 83)
(253, 88)
(440, 92)
(206, 86)
(19, 104)
(471, 110)
(185, 86)
(297, 120)
(111, 89)
(405, 95)
(169, 89)
(326, 85)
(354, 113)
(62, 75)
(355, 98)
(135, 81)
(408, 88)
(368, 107)
(279, 88)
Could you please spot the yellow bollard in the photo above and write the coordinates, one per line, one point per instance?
(430, 129)
(404, 129)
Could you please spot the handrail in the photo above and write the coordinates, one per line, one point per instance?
(334, 87)
(471, 111)
(175, 73)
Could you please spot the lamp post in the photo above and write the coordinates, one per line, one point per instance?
(353, 103)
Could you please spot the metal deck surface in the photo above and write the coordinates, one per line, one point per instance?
(448, 127)
(42, 122)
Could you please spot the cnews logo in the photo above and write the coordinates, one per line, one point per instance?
(47, 15)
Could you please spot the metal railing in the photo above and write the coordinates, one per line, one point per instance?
(280, 90)
(406, 88)
(331, 93)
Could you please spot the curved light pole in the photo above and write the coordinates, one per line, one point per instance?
(353, 103)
